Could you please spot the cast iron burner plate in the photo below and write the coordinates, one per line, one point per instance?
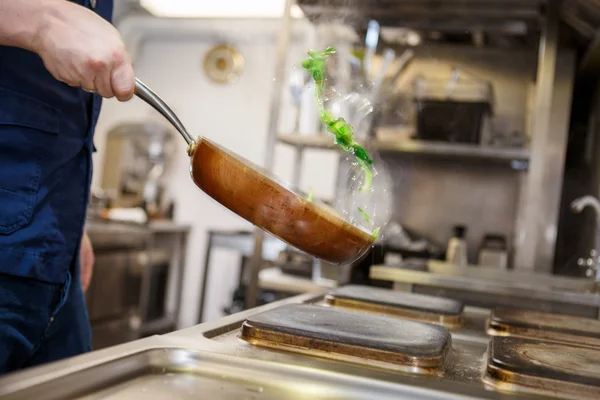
(545, 326)
(350, 336)
(418, 307)
(525, 365)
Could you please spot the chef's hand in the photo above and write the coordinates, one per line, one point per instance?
(87, 262)
(80, 48)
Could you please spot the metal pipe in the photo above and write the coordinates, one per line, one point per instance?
(577, 206)
(580, 203)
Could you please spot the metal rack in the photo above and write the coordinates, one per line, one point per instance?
(532, 20)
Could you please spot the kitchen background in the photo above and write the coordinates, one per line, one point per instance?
(501, 191)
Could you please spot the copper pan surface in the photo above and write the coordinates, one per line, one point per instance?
(256, 196)
(253, 194)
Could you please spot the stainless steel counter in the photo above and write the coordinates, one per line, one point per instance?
(210, 360)
(486, 287)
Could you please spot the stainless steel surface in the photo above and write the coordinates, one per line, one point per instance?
(138, 279)
(536, 234)
(276, 280)
(494, 290)
(211, 361)
(513, 277)
(110, 295)
(176, 373)
(111, 235)
(146, 94)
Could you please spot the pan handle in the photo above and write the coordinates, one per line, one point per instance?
(145, 93)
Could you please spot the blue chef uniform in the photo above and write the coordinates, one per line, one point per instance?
(46, 144)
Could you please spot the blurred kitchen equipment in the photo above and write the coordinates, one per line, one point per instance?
(457, 247)
(493, 252)
(403, 61)
(293, 262)
(297, 85)
(136, 159)
(394, 108)
(389, 56)
(452, 111)
(371, 40)
(100, 201)
(373, 96)
(396, 236)
(255, 195)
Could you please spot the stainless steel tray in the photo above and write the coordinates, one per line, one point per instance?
(174, 373)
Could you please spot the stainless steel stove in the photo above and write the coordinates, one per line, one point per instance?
(349, 343)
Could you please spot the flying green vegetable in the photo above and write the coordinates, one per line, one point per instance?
(364, 214)
(341, 130)
(311, 195)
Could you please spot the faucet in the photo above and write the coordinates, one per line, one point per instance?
(593, 262)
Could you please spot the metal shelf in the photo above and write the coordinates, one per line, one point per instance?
(450, 15)
(417, 147)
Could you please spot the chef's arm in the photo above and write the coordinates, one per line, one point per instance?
(77, 46)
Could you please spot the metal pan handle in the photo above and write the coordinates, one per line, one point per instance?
(145, 93)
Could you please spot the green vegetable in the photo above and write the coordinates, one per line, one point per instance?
(338, 127)
(365, 215)
(368, 176)
(311, 195)
(375, 233)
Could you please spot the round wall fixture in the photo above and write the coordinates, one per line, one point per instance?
(223, 64)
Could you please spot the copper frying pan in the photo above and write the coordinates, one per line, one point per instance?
(255, 195)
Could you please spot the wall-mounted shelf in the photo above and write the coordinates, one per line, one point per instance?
(518, 158)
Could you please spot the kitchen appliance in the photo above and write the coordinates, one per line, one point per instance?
(453, 111)
(456, 252)
(136, 159)
(493, 252)
(306, 347)
(255, 195)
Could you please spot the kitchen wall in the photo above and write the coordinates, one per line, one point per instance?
(170, 60)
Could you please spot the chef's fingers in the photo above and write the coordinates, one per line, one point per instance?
(123, 78)
(102, 84)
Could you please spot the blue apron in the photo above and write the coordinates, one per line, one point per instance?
(46, 142)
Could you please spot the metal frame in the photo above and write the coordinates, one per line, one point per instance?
(540, 203)
(259, 235)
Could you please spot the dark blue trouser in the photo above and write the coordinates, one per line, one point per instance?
(41, 322)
